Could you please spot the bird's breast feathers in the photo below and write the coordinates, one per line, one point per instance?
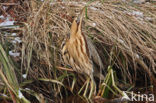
(75, 54)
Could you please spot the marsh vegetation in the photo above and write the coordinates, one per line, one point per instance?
(31, 65)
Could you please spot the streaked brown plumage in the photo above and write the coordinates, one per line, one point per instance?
(79, 52)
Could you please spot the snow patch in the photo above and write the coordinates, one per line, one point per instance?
(11, 53)
(138, 1)
(137, 13)
(7, 22)
(84, 3)
(93, 8)
(93, 24)
(148, 18)
(24, 76)
(20, 95)
(16, 40)
(1, 17)
(13, 34)
(121, 41)
(4, 95)
(4, 7)
(27, 89)
(137, 56)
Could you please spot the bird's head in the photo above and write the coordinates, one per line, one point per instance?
(77, 22)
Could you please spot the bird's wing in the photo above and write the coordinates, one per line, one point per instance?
(97, 63)
(94, 54)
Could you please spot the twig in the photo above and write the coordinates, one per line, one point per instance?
(3, 11)
(62, 68)
(8, 4)
(12, 96)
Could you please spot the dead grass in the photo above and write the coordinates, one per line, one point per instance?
(124, 34)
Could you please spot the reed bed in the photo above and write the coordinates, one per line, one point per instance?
(123, 33)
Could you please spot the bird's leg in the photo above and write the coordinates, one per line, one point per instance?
(86, 89)
(93, 87)
(90, 80)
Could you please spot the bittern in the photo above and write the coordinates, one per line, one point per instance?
(79, 52)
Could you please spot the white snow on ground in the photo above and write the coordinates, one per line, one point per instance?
(1, 17)
(94, 24)
(93, 8)
(20, 95)
(13, 34)
(137, 56)
(4, 95)
(24, 76)
(148, 18)
(138, 1)
(4, 7)
(17, 40)
(137, 13)
(11, 53)
(27, 89)
(7, 22)
(121, 41)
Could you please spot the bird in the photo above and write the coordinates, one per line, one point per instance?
(79, 52)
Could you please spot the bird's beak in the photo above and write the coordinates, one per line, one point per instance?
(76, 25)
(80, 16)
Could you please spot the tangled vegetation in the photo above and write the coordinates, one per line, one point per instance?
(123, 33)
